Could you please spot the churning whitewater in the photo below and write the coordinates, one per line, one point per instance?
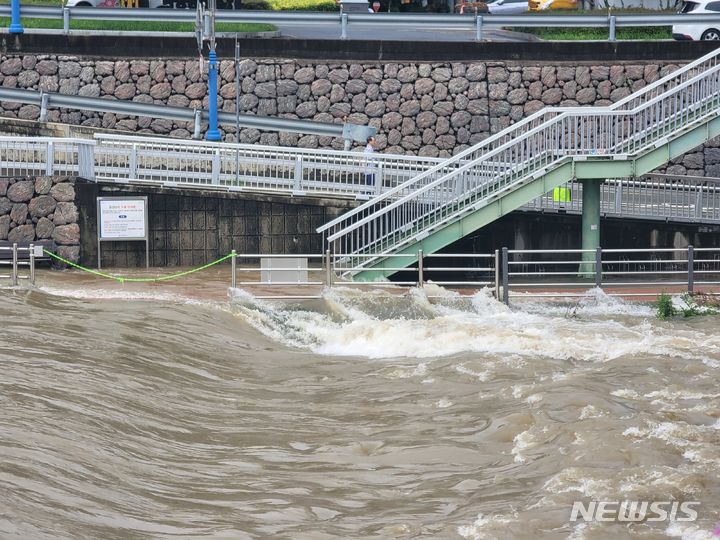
(360, 415)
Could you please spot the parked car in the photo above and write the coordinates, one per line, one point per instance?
(111, 3)
(699, 30)
(542, 5)
(507, 7)
(498, 7)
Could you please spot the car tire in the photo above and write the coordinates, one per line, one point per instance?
(83, 4)
(710, 35)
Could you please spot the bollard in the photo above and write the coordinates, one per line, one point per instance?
(233, 281)
(14, 266)
(328, 268)
(691, 269)
(505, 277)
(478, 27)
(497, 274)
(343, 26)
(421, 276)
(611, 31)
(598, 267)
(32, 264)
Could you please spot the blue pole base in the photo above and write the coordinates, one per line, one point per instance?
(213, 135)
(16, 28)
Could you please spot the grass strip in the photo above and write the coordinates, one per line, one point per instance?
(575, 34)
(141, 26)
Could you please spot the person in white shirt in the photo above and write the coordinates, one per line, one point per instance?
(370, 171)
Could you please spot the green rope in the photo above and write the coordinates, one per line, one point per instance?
(136, 280)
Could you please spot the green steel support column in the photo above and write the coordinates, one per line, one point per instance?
(590, 224)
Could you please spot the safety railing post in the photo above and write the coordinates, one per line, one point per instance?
(86, 160)
(611, 28)
(215, 179)
(505, 278)
(66, 20)
(497, 274)
(132, 172)
(598, 267)
(233, 268)
(379, 179)
(691, 269)
(343, 26)
(32, 264)
(421, 269)
(328, 268)
(50, 158)
(478, 27)
(14, 265)
(297, 178)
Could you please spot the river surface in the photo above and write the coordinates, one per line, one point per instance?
(155, 415)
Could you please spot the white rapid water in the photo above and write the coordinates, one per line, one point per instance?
(380, 325)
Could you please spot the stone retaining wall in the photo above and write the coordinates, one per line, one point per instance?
(40, 208)
(419, 108)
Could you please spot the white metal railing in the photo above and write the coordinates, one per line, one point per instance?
(46, 156)
(295, 171)
(624, 272)
(507, 160)
(14, 258)
(661, 197)
(549, 273)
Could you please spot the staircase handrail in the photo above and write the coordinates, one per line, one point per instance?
(575, 112)
(519, 126)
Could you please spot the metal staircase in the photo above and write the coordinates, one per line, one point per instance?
(553, 146)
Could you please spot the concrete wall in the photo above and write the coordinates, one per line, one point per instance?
(193, 227)
(431, 109)
(439, 108)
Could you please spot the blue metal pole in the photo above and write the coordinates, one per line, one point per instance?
(15, 24)
(213, 134)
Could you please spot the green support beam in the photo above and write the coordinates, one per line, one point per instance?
(592, 171)
(590, 224)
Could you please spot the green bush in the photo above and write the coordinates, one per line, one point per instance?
(664, 306)
(562, 34)
(291, 5)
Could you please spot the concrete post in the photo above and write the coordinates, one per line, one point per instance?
(590, 225)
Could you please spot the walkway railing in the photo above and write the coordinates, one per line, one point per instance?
(297, 172)
(12, 260)
(692, 199)
(509, 273)
(525, 151)
(342, 21)
(294, 171)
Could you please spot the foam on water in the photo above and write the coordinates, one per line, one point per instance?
(382, 325)
(118, 294)
(486, 527)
